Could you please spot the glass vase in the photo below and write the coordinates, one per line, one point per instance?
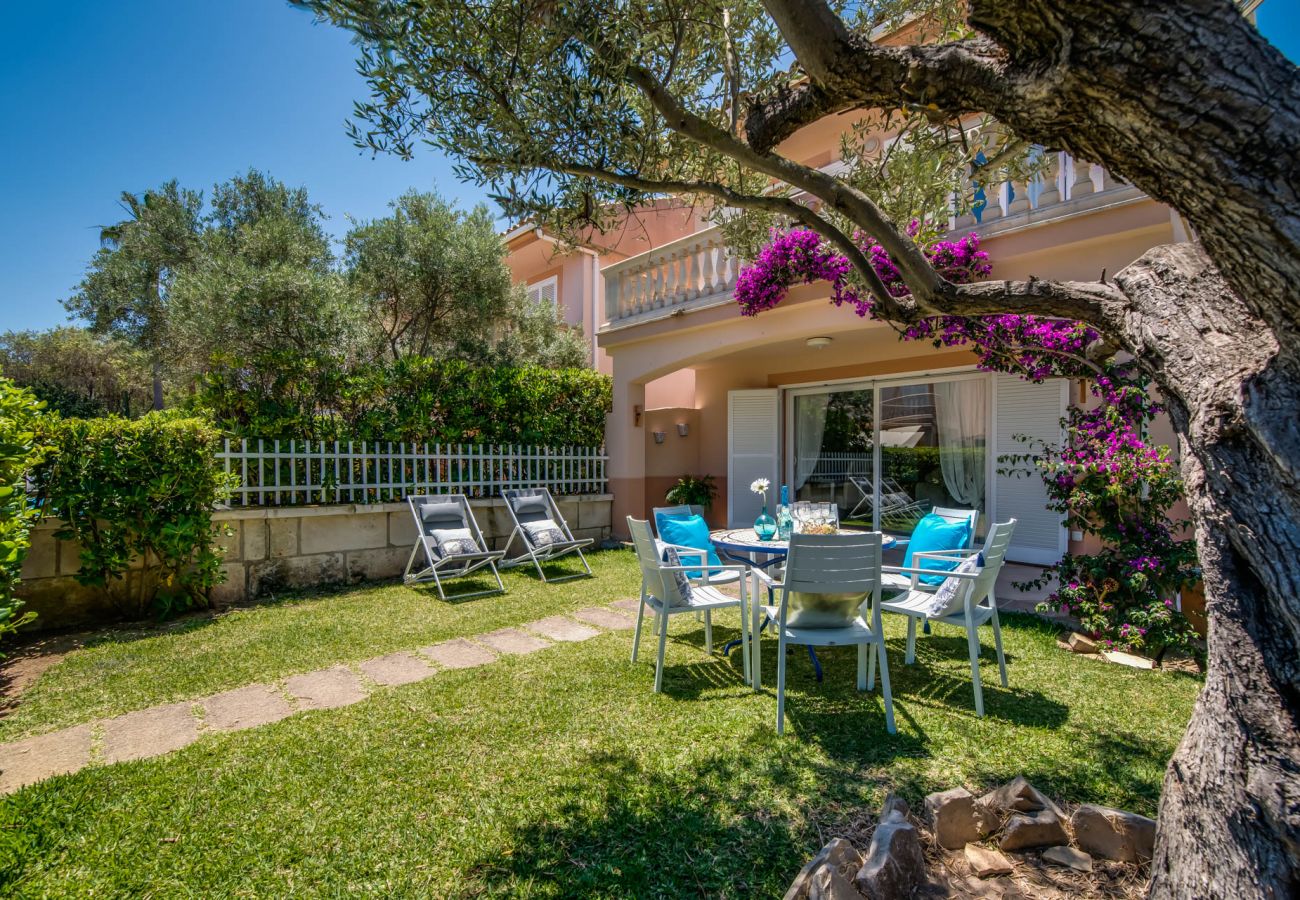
(765, 525)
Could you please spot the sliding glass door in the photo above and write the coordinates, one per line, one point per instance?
(889, 452)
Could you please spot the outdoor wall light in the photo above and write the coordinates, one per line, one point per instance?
(683, 429)
(659, 436)
(817, 343)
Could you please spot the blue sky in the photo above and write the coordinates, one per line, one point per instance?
(106, 97)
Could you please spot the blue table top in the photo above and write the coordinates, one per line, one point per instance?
(744, 540)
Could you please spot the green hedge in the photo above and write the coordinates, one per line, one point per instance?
(131, 489)
(418, 399)
(20, 449)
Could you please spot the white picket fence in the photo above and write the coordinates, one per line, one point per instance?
(287, 473)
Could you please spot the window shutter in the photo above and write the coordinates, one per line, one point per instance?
(1033, 410)
(753, 451)
(544, 290)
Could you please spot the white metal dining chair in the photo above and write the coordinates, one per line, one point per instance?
(725, 576)
(967, 599)
(668, 591)
(830, 585)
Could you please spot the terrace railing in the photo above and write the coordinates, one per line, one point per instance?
(289, 473)
(698, 270)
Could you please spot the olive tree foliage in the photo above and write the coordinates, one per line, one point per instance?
(126, 291)
(77, 372)
(578, 111)
(434, 280)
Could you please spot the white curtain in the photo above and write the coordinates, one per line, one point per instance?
(810, 425)
(962, 414)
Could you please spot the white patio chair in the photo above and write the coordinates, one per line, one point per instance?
(966, 599)
(725, 576)
(830, 584)
(894, 501)
(452, 543)
(541, 529)
(897, 582)
(667, 590)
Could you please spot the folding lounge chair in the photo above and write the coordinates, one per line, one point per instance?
(542, 530)
(451, 542)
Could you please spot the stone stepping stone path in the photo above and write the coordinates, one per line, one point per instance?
(161, 729)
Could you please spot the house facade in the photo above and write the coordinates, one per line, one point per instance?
(812, 396)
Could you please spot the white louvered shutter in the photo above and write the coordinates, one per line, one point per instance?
(753, 451)
(1034, 410)
(544, 290)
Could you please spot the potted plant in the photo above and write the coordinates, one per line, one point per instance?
(692, 491)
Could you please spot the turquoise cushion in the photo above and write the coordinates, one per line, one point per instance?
(688, 531)
(936, 533)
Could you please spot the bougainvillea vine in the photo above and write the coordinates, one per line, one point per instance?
(1107, 480)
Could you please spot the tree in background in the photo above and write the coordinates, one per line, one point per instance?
(77, 372)
(577, 112)
(126, 292)
(263, 298)
(435, 280)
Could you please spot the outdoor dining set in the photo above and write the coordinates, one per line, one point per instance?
(823, 586)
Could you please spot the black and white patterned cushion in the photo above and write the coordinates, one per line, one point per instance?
(544, 533)
(454, 541)
(684, 590)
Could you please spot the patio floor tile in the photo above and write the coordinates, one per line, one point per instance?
(512, 640)
(396, 668)
(43, 756)
(605, 617)
(558, 628)
(246, 707)
(460, 653)
(150, 732)
(325, 688)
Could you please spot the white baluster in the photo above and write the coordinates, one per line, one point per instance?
(1050, 195)
(1081, 183)
(1020, 202)
(992, 202)
(706, 275)
(672, 280)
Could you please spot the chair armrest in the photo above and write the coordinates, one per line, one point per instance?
(943, 554)
(912, 570)
(765, 578)
(724, 568)
(702, 555)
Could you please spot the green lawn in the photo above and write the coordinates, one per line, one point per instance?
(557, 774)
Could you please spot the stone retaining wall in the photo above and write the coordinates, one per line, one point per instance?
(272, 549)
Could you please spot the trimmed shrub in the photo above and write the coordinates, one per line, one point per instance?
(20, 449)
(138, 490)
(419, 399)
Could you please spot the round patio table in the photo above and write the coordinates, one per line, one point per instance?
(743, 545)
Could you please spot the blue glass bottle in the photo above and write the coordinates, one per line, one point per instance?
(784, 521)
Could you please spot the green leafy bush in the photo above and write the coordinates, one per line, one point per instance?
(137, 490)
(414, 399)
(19, 451)
(692, 491)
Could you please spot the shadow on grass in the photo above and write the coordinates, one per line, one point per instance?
(727, 827)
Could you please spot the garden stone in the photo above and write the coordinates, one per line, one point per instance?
(459, 653)
(512, 640)
(1018, 795)
(44, 756)
(150, 732)
(893, 803)
(325, 689)
(895, 864)
(828, 884)
(1068, 856)
(558, 628)
(957, 819)
(395, 668)
(604, 617)
(1043, 829)
(631, 604)
(1113, 833)
(839, 855)
(246, 707)
(986, 863)
(1079, 643)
